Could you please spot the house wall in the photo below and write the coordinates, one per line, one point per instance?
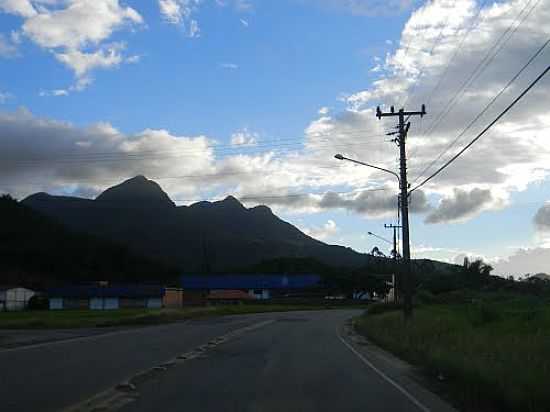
(56, 303)
(173, 298)
(16, 298)
(154, 303)
(261, 294)
(104, 303)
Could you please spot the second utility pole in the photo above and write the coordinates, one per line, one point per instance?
(404, 186)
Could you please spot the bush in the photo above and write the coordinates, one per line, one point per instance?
(38, 303)
(426, 297)
(480, 313)
(381, 307)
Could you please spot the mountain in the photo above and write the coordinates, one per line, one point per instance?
(138, 191)
(36, 251)
(206, 236)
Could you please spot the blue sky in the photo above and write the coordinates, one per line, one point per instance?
(259, 95)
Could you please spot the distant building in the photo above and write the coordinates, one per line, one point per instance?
(261, 287)
(106, 297)
(14, 298)
(228, 297)
(173, 298)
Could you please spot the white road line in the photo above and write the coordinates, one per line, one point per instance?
(406, 393)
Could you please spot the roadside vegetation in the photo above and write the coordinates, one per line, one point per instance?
(485, 340)
(136, 317)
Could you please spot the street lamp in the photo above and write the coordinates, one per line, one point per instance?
(380, 237)
(341, 157)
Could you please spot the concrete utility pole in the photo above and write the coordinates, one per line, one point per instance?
(396, 281)
(404, 186)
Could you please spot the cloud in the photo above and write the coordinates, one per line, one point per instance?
(434, 57)
(365, 7)
(7, 48)
(244, 138)
(542, 219)
(229, 66)
(55, 93)
(244, 22)
(523, 261)
(4, 97)
(461, 206)
(372, 204)
(75, 31)
(323, 232)
(180, 12)
(22, 8)
(107, 56)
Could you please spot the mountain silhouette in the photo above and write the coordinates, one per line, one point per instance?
(35, 251)
(205, 236)
(138, 191)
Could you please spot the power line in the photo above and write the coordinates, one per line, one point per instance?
(457, 50)
(517, 99)
(224, 149)
(475, 119)
(482, 65)
(253, 150)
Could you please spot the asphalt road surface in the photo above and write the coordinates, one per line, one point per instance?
(294, 361)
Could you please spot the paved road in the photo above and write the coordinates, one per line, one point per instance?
(273, 362)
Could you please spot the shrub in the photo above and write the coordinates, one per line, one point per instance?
(381, 307)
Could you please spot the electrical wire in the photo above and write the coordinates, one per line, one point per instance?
(492, 52)
(478, 116)
(456, 156)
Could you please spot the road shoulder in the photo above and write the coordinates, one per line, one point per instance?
(398, 373)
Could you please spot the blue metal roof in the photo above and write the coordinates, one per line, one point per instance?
(235, 281)
(122, 291)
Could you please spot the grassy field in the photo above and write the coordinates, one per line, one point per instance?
(492, 353)
(90, 318)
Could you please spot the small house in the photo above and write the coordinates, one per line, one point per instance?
(14, 298)
(224, 297)
(106, 297)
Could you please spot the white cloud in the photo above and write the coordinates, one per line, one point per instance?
(7, 47)
(523, 261)
(180, 12)
(82, 63)
(20, 7)
(244, 22)
(244, 138)
(82, 23)
(507, 159)
(74, 31)
(323, 232)
(365, 7)
(4, 97)
(230, 66)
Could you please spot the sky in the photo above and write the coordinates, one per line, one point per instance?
(254, 98)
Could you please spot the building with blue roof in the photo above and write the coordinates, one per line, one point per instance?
(259, 286)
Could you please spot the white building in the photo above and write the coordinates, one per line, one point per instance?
(14, 298)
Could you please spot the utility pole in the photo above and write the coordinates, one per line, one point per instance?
(396, 281)
(404, 186)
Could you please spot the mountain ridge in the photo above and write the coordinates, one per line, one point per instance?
(205, 236)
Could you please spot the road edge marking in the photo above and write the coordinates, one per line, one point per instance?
(389, 380)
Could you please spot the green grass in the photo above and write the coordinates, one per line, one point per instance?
(90, 318)
(493, 352)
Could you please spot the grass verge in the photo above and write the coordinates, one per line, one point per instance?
(493, 353)
(126, 317)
